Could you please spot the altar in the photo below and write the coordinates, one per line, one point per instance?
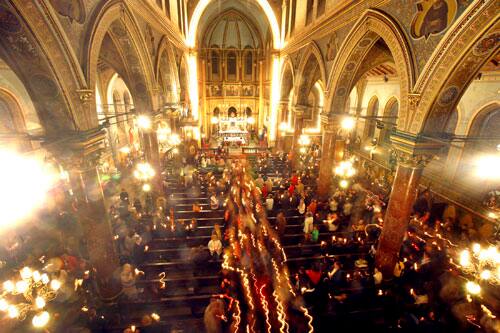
(233, 130)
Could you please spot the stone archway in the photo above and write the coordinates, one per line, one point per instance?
(166, 71)
(25, 54)
(115, 18)
(374, 25)
(461, 54)
(311, 69)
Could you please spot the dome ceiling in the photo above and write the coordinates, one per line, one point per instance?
(232, 30)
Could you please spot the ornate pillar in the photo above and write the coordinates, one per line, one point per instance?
(298, 124)
(332, 152)
(280, 135)
(79, 155)
(412, 156)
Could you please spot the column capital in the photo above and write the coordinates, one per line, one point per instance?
(330, 122)
(299, 110)
(413, 150)
(79, 149)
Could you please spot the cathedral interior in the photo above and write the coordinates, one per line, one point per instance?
(249, 166)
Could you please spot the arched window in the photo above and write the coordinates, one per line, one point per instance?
(371, 120)
(390, 120)
(231, 65)
(248, 63)
(321, 7)
(215, 63)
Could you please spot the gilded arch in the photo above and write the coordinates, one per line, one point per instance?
(15, 110)
(369, 28)
(115, 15)
(165, 49)
(45, 81)
(304, 77)
(287, 79)
(468, 45)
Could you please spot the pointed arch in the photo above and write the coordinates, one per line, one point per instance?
(469, 44)
(117, 16)
(372, 26)
(287, 79)
(165, 49)
(307, 67)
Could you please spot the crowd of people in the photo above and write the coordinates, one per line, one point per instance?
(332, 277)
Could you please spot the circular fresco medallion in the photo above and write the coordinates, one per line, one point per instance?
(341, 91)
(365, 42)
(485, 45)
(350, 66)
(44, 85)
(8, 21)
(448, 96)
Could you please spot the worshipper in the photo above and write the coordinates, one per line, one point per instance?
(302, 206)
(336, 275)
(214, 316)
(217, 231)
(299, 189)
(269, 185)
(315, 234)
(259, 182)
(281, 223)
(308, 224)
(269, 203)
(128, 278)
(196, 207)
(214, 202)
(313, 206)
(215, 246)
(138, 206)
(377, 276)
(332, 222)
(124, 195)
(347, 208)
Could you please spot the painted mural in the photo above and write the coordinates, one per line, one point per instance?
(433, 17)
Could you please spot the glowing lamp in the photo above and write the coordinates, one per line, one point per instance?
(488, 167)
(40, 320)
(344, 183)
(214, 120)
(12, 311)
(465, 258)
(26, 273)
(146, 187)
(348, 123)
(9, 286)
(40, 302)
(485, 275)
(251, 120)
(125, 150)
(283, 127)
(4, 305)
(55, 285)
(144, 122)
(21, 286)
(473, 288)
(17, 174)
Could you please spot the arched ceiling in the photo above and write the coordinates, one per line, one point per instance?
(249, 9)
(232, 30)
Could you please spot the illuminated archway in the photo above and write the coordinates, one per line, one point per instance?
(264, 4)
(276, 61)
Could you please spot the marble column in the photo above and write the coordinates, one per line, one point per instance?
(280, 135)
(403, 195)
(298, 114)
(80, 156)
(332, 152)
